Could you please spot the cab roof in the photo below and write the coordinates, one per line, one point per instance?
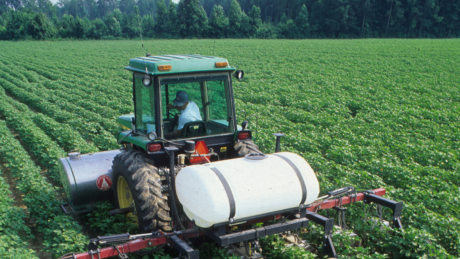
(179, 64)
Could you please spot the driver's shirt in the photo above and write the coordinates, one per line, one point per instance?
(191, 113)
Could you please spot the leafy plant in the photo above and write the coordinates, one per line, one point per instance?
(369, 113)
(101, 223)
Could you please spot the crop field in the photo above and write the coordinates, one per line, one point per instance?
(366, 113)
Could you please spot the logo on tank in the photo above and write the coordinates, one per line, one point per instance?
(104, 182)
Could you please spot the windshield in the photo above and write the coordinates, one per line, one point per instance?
(196, 106)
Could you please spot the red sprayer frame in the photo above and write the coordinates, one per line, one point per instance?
(142, 243)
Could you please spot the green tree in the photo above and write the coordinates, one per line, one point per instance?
(6, 5)
(423, 15)
(283, 18)
(79, 28)
(301, 22)
(40, 27)
(254, 20)
(234, 19)
(72, 7)
(130, 23)
(3, 35)
(286, 28)
(66, 26)
(218, 23)
(127, 6)
(245, 25)
(86, 27)
(147, 7)
(162, 19)
(330, 18)
(192, 18)
(450, 24)
(394, 18)
(90, 7)
(97, 29)
(203, 21)
(173, 21)
(266, 31)
(117, 14)
(148, 25)
(105, 7)
(364, 8)
(112, 25)
(16, 27)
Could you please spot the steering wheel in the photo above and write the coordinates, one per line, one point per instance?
(171, 114)
(174, 122)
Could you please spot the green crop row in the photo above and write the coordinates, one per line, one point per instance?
(60, 232)
(62, 103)
(77, 89)
(340, 160)
(367, 113)
(63, 134)
(72, 92)
(40, 145)
(13, 231)
(107, 85)
(94, 101)
(88, 129)
(55, 88)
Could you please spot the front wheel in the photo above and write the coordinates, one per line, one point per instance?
(137, 184)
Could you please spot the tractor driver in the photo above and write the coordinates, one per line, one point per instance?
(189, 112)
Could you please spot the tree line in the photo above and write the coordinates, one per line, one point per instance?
(291, 19)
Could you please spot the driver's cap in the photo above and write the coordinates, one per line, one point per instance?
(181, 98)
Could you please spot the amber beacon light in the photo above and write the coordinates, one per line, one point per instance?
(221, 64)
(164, 67)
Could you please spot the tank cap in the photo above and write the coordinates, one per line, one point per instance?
(74, 155)
(256, 156)
(189, 146)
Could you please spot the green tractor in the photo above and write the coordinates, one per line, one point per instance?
(207, 84)
(196, 172)
(146, 135)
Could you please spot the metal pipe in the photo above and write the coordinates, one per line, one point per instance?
(278, 140)
(169, 181)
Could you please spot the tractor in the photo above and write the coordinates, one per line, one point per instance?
(182, 175)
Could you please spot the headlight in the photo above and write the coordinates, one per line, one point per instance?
(152, 135)
(146, 81)
(239, 74)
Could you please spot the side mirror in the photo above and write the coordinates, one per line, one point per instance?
(239, 74)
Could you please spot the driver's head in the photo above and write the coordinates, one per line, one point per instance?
(181, 99)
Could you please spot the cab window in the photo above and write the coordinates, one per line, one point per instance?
(144, 105)
(211, 96)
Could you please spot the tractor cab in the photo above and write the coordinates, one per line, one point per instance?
(209, 95)
(207, 115)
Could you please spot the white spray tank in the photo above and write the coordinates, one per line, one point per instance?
(241, 188)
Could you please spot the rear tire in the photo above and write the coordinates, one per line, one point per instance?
(246, 147)
(137, 182)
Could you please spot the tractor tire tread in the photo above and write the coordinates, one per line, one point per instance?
(246, 147)
(144, 182)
